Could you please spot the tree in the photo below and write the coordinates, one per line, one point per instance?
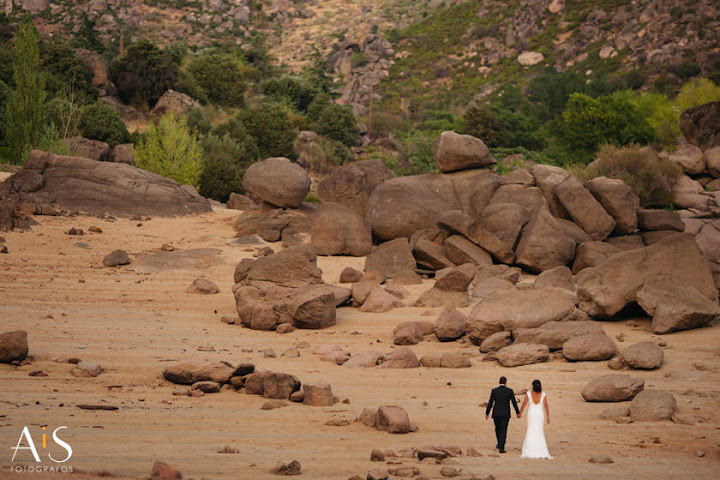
(171, 150)
(481, 122)
(696, 92)
(143, 74)
(220, 78)
(271, 129)
(66, 70)
(290, 87)
(224, 166)
(338, 122)
(25, 114)
(87, 37)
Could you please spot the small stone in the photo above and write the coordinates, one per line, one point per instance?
(116, 258)
(163, 471)
(700, 453)
(378, 474)
(449, 472)
(86, 370)
(291, 353)
(206, 386)
(197, 393)
(273, 404)
(286, 468)
(230, 320)
(377, 456)
(269, 353)
(284, 328)
(338, 422)
(181, 392)
(75, 231)
(473, 452)
(227, 449)
(3, 249)
(94, 229)
(203, 286)
(601, 459)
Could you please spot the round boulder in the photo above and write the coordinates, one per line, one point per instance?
(13, 346)
(523, 354)
(589, 347)
(643, 356)
(450, 325)
(612, 388)
(652, 406)
(278, 181)
(459, 152)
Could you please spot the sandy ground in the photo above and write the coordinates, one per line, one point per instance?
(134, 324)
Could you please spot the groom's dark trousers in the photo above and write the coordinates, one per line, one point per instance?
(499, 404)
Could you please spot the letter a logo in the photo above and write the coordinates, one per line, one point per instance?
(25, 433)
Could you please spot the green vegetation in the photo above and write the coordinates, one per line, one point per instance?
(143, 74)
(25, 115)
(99, 121)
(172, 150)
(220, 78)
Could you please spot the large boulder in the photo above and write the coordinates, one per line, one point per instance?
(279, 385)
(431, 255)
(712, 162)
(555, 334)
(489, 242)
(379, 301)
(592, 254)
(450, 325)
(292, 267)
(337, 230)
(474, 189)
(584, 209)
(689, 157)
(400, 358)
(270, 224)
(460, 152)
(558, 277)
(87, 148)
(401, 206)
(351, 185)
(393, 419)
(99, 188)
(393, 259)
(674, 307)
(612, 388)
(13, 346)
(506, 221)
(701, 125)
(176, 102)
(652, 406)
(408, 333)
(606, 289)
(277, 181)
(519, 354)
(589, 347)
(123, 153)
(313, 307)
(518, 309)
(643, 356)
(618, 200)
(543, 244)
(460, 250)
(547, 177)
(657, 220)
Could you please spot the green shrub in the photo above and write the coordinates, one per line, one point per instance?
(650, 177)
(5, 93)
(336, 153)
(662, 116)
(224, 165)
(338, 122)
(292, 88)
(696, 92)
(65, 69)
(316, 107)
(220, 78)
(100, 121)
(187, 84)
(143, 74)
(588, 123)
(65, 114)
(171, 150)
(201, 119)
(481, 122)
(270, 127)
(385, 123)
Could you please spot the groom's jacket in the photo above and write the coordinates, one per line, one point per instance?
(500, 398)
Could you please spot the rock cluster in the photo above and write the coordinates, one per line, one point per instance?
(211, 377)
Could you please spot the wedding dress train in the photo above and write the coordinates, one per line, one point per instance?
(534, 445)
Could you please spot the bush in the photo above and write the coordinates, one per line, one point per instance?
(661, 115)
(171, 150)
(187, 84)
(481, 122)
(224, 165)
(66, 70)
(588, 123)
(100, 121)
(338, 122)
(65, 114)
(650, 177)
(220, 78)
(295, 89)
(200, 119)
(336, 153)
(143, 74)
(385, 123)
(696, 92)
(271, 129)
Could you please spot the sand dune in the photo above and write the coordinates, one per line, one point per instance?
(134, 323)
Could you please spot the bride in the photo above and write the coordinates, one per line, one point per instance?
(534, 445)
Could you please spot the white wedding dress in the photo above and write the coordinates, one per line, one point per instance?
(534, 445)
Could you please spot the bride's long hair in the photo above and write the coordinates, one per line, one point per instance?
(537, 386)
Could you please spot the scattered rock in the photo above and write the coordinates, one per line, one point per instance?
(653, 405)
(13, 346)
(519, 354)
(286, 468)
(497, 341)
(277, 181)
(612, 388)
(163, 471)
(203, 286)
(86, 370)
(337, 230)
(274, 404)
(393, 419)
(460, 152)
(450, 325)
(600, 458)
(318, 395)
(206, 386)
(190, 373)
(350, 275)
(589, 347)
(400, 358)
(408, 333)
(644, 355)
(116, 258)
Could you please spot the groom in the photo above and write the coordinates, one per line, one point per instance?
(500, 399)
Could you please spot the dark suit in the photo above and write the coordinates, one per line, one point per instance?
(499, 403)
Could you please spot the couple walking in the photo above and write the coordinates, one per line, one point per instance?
(534, 445)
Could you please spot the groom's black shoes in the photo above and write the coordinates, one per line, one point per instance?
(502, 451)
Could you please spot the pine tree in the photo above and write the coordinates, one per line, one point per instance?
(25, 115)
